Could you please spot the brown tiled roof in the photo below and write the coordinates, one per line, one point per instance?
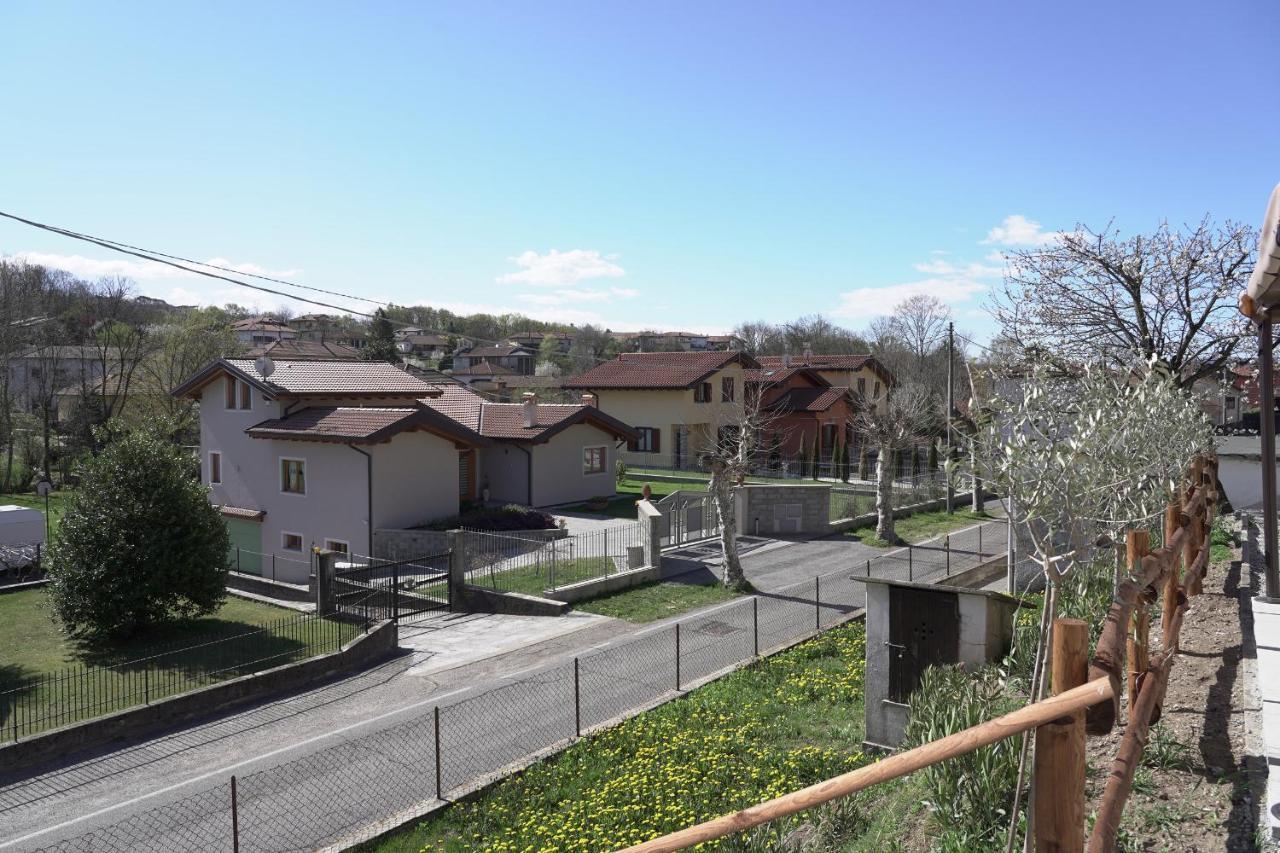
(829, 362)
(260, 324)
(370, 378)
(241, 512)
(305, 351)
(484, 368)
(807, 400)
(495, 352)
(506, 420)
(777, 375)
(358, 424)
(658, 369)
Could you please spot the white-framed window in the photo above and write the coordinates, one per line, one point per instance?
(293, 475)
(290, 541)
(337, 545)
(593, 459)
(239, 394)
(215, 467)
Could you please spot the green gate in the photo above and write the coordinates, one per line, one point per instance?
(246, 546)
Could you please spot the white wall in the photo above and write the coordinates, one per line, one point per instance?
(557, 467)
(504, 468)
(415, 479)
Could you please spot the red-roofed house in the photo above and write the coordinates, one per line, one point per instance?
(678, 402)
(323, 453)
(862, 374)
(804, 413)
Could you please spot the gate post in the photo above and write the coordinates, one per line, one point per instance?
(324, 582)
(395, 592)
(457, 570)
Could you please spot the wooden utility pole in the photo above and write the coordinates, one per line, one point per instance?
(1058, 800)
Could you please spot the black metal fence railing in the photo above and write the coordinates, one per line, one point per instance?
(35, 703)
(328, 797)
(272, 566)
(368, 589)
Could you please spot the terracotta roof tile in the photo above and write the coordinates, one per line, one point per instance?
(506, 420)
(242, 512)
(371, 378)
(331, 422)
(484, 368)
(807, 400)
(658, 369)
(305, 351)
(830, 362)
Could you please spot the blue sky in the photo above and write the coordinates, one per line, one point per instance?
(682, 165)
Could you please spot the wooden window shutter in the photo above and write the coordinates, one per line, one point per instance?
(657, 440)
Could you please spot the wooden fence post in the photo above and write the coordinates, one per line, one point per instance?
(1198, 530)
(1172, 521)
(1058, 800)
(1137, 545)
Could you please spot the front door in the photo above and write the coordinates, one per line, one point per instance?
(924, 629)
(466, 475)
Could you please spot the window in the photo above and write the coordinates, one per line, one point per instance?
(337, 545)
(877, 389)
(862, 386)
(726, 389)
(647, 442)
(593, 460)
(215, 467)
(702, 393)
(293, 476)
(239, 395)
(291, 541)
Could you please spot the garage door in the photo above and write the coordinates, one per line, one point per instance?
(246, 546)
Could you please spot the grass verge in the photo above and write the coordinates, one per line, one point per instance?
(535, 578)
(653, 601)
(183, 656)
(919, 527)
(793, 720)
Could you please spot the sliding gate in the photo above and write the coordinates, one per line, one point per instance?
(371, 589)
(687, 517)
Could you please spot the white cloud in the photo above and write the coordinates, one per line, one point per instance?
(865, 302)
(946, 268)
(1017, 230)
(83, 267)
(624, 292)
(558, 269)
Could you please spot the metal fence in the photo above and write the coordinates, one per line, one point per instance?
(907, 463)
(273, 566)
(512, 562)
(31, 704)
(441, 751)
(368, 589)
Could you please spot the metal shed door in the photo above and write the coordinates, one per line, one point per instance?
(924, 629)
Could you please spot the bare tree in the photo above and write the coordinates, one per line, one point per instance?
(910, 414)
(1166, 297)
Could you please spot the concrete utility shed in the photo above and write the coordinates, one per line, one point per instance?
(20, 525)
(912, 626)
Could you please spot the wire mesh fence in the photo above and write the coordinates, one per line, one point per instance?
(438, 752)
(32, 704)
(512, 562)
(291, 569)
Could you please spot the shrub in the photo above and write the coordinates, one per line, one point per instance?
(972, 794)
(139, 543)
(509, 517)
(620, 471)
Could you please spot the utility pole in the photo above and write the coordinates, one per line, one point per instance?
(951, 384)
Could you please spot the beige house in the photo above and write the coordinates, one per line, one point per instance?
(677, 402)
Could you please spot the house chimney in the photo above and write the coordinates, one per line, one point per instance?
(529, 404)
(589, 400)
(808, 349)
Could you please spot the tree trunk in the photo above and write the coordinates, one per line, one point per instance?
(977, 483)
(720, 487)
(884, 494)
(864, 466)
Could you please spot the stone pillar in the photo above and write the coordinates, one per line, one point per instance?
(457, 570)
(650, 518)
(324, 582)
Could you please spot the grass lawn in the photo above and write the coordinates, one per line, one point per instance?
(58, 502)
(763, 731)
(653, 601)
(631, 490)
(34, 646)
(535, 578)
(919, 527)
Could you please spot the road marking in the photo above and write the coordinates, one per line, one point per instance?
(222, 771)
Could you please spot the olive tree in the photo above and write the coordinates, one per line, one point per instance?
(139, 545)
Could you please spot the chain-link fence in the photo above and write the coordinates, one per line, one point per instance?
(441, 751)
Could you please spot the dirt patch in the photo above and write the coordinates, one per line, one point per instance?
(1193, 791)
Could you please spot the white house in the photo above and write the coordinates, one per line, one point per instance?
(323, 453)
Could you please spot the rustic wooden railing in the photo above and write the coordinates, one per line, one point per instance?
(1086, 698)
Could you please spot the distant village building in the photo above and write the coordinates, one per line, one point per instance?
(253, 331)
(516, 359)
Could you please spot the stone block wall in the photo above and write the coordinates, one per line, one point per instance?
(771, 510)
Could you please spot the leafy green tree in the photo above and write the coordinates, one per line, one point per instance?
(382, 340)
(139, 545)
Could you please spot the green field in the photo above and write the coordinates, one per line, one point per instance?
(182, 656)
(919, 527)
(653, 601)
(791, 721)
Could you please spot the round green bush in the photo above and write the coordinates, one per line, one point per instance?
(139, 545)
